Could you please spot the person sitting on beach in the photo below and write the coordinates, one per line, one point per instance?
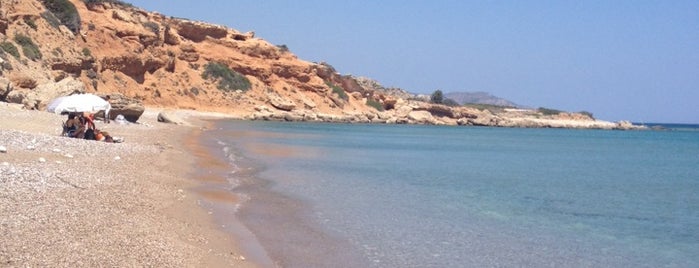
(73, 126)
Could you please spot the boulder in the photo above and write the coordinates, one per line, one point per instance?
(242, 36)
(421, 117)
(5, 88)
(16, 96)
(307, 103)
(479, 121)
(403, 111)
(188, 48)
(293, 117)
(130, 108)
(170, 118)
(280, 103)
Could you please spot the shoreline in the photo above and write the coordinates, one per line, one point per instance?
(284, 224)
(215, 190)
(69, 202)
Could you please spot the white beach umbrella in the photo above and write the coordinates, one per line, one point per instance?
(78, 103)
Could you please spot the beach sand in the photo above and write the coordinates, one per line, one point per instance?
(69, 202)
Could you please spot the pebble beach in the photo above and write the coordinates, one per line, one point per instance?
(67, 202)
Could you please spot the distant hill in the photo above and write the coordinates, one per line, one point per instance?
(479, 98)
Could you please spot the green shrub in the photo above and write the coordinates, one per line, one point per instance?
(586, 113)
(86, 52)
(10, 48)
(450, 102)
(227, 79)
(373, 103)
(30, 22)
(487, 107)
(547, 111)
(117, 2)
(437, 97)
(153, 27)
(283, 48)
(51, 19)
(338, 90)
(66, 13)
(29, 49)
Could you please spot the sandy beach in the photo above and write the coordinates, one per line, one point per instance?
(67, 202)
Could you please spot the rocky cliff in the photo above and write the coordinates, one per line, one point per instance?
(52, 48)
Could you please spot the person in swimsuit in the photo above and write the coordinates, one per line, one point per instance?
(73, 125)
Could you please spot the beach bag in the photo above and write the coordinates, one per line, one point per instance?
(99, 136)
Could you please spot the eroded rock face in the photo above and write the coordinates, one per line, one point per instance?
(441, 110)
(71, 65)
(198, 32)
(24, 81)
(189, 53)
(350, 85)
(132, 65)
(170, 37)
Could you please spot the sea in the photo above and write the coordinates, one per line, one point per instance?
(355, 195)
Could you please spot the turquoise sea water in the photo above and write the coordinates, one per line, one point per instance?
(336, 195)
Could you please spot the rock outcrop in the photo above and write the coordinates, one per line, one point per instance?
(169, 117)
(130, 108)
(198, 32)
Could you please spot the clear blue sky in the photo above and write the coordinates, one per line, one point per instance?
(621, 60)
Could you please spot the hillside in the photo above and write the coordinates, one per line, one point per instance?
(52, 48)
(479, 98)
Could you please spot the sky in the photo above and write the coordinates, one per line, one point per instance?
(620, 60)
